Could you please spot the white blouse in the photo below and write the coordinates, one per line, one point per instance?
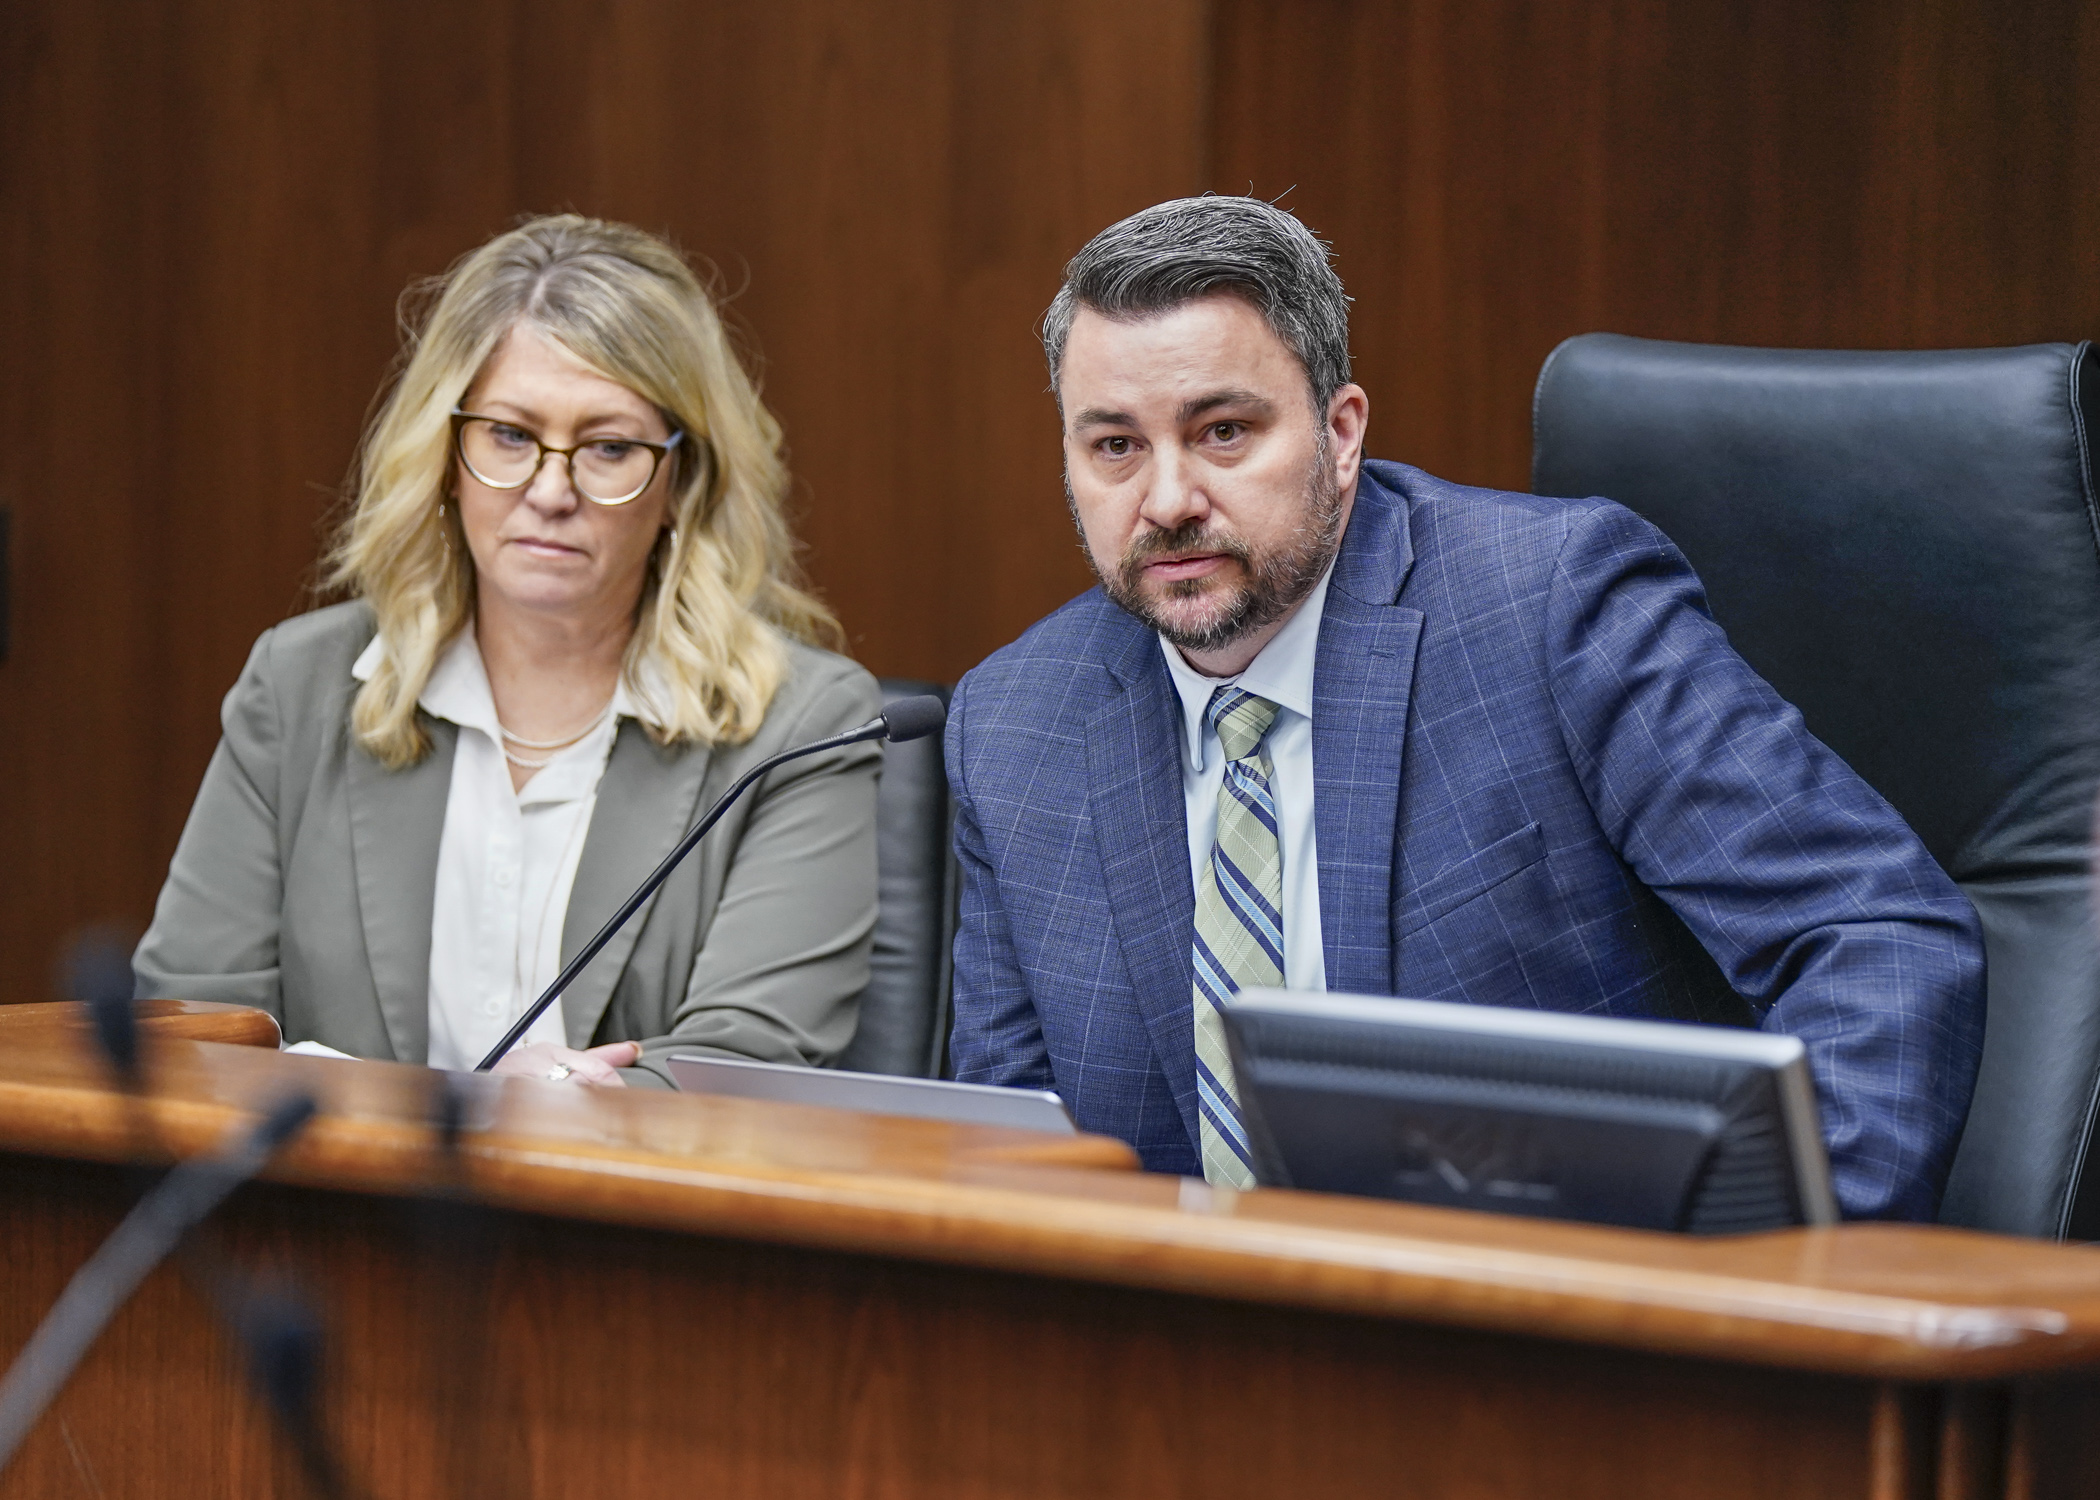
(506, 861)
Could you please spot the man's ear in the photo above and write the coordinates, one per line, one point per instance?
(1348, 417)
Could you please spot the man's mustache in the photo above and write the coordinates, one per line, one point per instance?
(1189, 536)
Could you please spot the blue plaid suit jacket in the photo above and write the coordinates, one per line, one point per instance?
(1542, 778)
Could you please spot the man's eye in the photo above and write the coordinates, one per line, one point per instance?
(1225, 432)
(1116, 447)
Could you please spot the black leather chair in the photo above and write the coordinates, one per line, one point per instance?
(904, 1009)
(1907, 546)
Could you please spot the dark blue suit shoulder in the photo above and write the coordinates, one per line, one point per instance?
(1425, 494)
(1480, 552)
(1063, 653)
(1513, 528)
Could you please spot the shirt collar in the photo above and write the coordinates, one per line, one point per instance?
(458, 689)
(1282, 673)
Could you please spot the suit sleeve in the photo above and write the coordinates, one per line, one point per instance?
(997, 1036)
(785, 959)
(215, 927)
(1816, 899)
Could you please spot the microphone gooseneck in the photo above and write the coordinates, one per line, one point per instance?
(905, 719)
(281, 1336)
(153, 1228)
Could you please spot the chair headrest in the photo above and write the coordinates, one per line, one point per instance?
(1905, 544)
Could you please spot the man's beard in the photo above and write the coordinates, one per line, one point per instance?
(1272, 583)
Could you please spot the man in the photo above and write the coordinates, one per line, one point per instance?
(1330, 723)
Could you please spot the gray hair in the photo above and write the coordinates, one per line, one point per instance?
(1174, 253)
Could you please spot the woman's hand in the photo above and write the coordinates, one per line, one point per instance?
(552, 1064)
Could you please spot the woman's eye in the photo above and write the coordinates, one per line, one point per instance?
(612, 451)
(510, 437)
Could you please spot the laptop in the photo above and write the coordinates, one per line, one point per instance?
(875, 1093)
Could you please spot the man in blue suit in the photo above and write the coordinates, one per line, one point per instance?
(1331, 723)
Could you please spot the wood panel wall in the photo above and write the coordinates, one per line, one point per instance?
(207, 212)
(1497, 175)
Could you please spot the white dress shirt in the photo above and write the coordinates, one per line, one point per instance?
(506, 861)
(1283, 674)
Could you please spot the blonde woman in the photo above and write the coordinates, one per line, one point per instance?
(575, 623)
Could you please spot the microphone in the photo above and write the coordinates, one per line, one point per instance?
(281, 1336)
(181, 1201)
(283, 1339)
(98, 975)
(906, 719)
(458, 1245)
(912, 718)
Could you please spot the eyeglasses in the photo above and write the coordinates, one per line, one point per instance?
(607, 471)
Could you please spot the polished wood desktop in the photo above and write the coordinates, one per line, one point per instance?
(680, 1295)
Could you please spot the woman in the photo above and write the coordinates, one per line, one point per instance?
(575, 623)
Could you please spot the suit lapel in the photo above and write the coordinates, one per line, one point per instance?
(646, 802)
(1363, 683)
(397, 820)
(1141, 829)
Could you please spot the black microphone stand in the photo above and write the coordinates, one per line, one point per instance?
(906, 719)
(278, 1332)
(146, 1237)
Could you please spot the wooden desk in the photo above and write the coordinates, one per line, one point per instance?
(695, 1296)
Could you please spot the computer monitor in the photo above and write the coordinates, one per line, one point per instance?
(1647, 1124)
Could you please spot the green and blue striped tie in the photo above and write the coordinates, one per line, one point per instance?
(1239, 922)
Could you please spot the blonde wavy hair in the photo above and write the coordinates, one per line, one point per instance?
(723, 591)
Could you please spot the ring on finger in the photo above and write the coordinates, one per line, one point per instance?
(558, 1072)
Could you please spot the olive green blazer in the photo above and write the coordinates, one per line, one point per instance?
(305, 878)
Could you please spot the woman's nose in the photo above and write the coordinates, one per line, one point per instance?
(551, 488)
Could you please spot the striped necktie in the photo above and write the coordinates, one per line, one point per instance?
(1239, 922)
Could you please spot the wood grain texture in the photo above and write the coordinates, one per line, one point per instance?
(1972, 1454)
(207, 214)
(1872, 1301)
(554, 1359)
(2049, 1440)
(1497, 175)
(192, 1020)
(1902, 1443)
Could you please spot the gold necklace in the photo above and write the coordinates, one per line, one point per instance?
(519, 740)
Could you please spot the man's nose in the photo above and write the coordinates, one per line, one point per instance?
(1175, 495)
